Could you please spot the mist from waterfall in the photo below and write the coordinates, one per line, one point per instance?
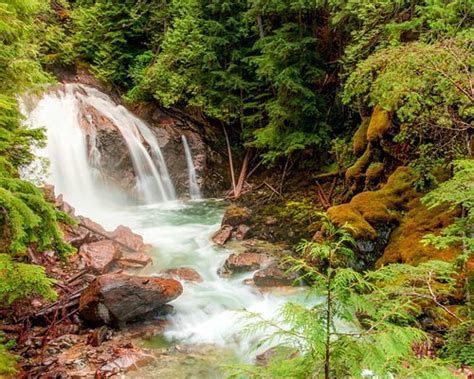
(194, 190)
(74, 157)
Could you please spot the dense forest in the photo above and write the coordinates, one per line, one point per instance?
(369, 102)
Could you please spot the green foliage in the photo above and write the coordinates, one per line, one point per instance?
(459, 346)
(377, 24)
(426, 87)
(20, 280)
(28, 218)
(359, 321)
(7, 360)
(458, 192)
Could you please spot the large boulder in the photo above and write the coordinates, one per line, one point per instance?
(100, 256)
(115, 299)
(243, 262)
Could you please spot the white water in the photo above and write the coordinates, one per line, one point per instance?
(207, 312)
(194, 191)
(74, 167)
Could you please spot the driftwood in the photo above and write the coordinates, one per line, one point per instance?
(272, 188)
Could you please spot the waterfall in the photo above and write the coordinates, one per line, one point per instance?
(75, 159)
(194, 191)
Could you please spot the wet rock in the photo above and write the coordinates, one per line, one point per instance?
(274, 276)
(235, 215)
(134, 260)
(242, 232)
(99, 335)
(247, 261)
(222, 235)
(100, 256)
(185, 273)
(124, 235)
(114, 299)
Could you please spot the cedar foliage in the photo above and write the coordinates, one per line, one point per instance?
(360, 322)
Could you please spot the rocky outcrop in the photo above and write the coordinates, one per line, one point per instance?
(234, 223)
(115, 299)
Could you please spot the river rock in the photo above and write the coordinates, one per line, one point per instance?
(222, 235)
(242, 232)
(246, 261)
(235, 215)
(274, 276)
(124, 235)
(100, 256)
(114, 299)
(185, 273)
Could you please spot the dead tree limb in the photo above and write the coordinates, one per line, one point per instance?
(243, 174)
(273, 189)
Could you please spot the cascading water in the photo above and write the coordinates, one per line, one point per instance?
(74, 163)
(194, 191)
(207, 312)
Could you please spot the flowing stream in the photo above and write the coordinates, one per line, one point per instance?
(207, 313)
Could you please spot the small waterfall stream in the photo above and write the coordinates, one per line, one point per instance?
(194, 191)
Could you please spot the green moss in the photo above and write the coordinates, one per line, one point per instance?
(405, 244)
(373, 173)
(359, 141)
(370, 208)
(379, 124)
(356, 173)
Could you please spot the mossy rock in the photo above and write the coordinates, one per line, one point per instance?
(371, 208)
(374, 173)
(405, 244)
(379, 124)
(359, 141)
(235, 215)
(355, 174)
